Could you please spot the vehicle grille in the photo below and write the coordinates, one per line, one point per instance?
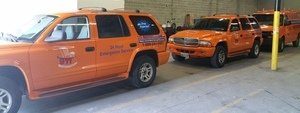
(186, 41)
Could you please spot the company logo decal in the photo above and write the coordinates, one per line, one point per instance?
(66, 59)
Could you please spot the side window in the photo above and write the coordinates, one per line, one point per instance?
(73, 28)
(254, 23)
(235, 26)
(144, 25)
(245, 24)
(111, 26)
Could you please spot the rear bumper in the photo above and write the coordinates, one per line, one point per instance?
(194, 52)
(163, 57)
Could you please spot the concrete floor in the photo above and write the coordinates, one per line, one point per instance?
(243, 86)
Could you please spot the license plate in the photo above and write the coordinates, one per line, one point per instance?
(185, 55)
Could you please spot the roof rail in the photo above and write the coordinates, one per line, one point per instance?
(128, 10)
(93, 9)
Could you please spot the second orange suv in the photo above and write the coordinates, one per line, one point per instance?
(218, 37)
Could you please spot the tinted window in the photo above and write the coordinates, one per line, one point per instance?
(144, 25)
(267, 19)
(212, 24)
(254, 23)
(73, 28)
(110, 26)
(235, 26)
(245, 24)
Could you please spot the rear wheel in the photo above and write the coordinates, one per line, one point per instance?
(143, 72)
(255, 50)
(10, 96)
(178, 58)
(281, 45)
(296, 43)
(219, 58)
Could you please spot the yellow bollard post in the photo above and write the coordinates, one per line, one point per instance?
(276, 25)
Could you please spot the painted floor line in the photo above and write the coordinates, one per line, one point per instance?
(237, 101)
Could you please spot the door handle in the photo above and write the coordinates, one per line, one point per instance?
(133, 45)
(89, 49)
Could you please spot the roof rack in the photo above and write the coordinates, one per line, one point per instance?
(127, 10)
(93, 9)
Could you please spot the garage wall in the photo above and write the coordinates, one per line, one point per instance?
(176, 10)
(109, 4)
(287, 4)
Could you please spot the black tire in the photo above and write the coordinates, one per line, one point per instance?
(178, 58)
(12, 90)
(216, 61)
(281, 45)
(255, 50)
(296, 43)
(137, 71)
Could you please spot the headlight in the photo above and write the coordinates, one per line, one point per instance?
(203, 43)
(171, 40)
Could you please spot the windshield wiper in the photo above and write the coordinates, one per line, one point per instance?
(8, 37)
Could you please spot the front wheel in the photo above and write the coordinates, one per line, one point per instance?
(10, 96)
(281, 45)
(255, 50)
(219, 58)
(296, 43)
(143, 72)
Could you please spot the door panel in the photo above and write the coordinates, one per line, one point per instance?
(235, 36)
(63, 57)
(114, 46)
(61, 63)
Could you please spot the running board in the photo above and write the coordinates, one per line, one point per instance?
(61, 91)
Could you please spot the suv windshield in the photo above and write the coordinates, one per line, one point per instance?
(35, 27)
(267, 19)
(216, 24)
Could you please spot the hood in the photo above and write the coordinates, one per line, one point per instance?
(198, 34)
(266, 28)
(9, 45)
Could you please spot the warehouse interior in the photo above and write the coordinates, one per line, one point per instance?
(258, 79)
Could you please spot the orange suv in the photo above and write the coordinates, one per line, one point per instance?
(218, 37)
(289, 31)
(71, 51)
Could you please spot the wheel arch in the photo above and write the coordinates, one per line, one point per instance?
(149, 52)
(16, 74)
(224, 44)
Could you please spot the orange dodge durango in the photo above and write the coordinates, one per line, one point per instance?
(71, 51)
(289, 31)
(218, 37)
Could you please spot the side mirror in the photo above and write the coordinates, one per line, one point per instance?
(57, 35)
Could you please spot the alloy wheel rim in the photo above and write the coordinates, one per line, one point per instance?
(221, 56)
(256, 49)
(5, 101)
(146, 72)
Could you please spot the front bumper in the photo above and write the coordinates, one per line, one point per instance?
(194, 52)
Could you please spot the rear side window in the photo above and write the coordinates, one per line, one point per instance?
(245, 24)
(144, 25)
(111, 26)
(254, 23)
(235, 26)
